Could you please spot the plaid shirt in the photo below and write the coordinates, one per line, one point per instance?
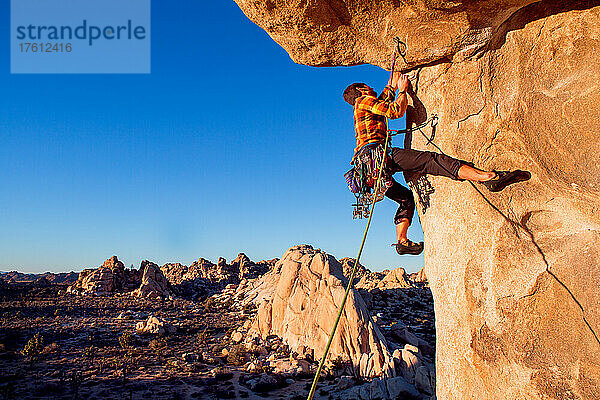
(369, 117)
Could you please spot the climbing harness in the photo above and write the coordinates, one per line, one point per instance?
(362, 177)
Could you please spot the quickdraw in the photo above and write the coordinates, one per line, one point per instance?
(431, 121)
(400, 49)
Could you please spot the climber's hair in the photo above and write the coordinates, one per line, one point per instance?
(352, 93)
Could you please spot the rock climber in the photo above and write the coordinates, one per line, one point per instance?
(370, 113)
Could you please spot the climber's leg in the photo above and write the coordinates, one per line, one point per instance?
(406, 203)
(406, 208)
(426, 162)
(402, 230)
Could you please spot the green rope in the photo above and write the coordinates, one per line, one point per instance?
(341, 310)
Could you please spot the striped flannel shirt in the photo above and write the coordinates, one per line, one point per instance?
(369, 117)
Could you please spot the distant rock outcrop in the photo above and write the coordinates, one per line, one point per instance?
(154, 284)
(348, 264)
(306, 288)
(419, 277)
(203, 278)
(387, 279)
(110, 277)
(154, 325)
(50, 277)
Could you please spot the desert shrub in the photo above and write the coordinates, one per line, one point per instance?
(237, 355)
(7, 390)
(228, 304)
(34, 347)
(75, 379)
(210, 304)
(51, 348)
(126, 341)
(337, 366)
(158, 346)
(89, 353)
(129, 361)
(202, 338)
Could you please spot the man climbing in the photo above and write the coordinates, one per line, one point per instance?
(370, 113)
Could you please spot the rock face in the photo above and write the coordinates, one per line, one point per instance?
(154, 284)
(109, 278)
(515, 85)
(335, 32)
(307, 289)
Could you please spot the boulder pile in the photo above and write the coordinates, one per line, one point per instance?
(112, 277)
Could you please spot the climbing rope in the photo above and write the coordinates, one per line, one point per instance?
(350, 281)
(397, 50)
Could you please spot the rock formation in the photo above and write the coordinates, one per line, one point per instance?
(53, 278)
(154, 325)
(387, 279)
(307, 290)
(221, 273)
(419, 277)
(515, 85)
(203, 278)
(348, 264)
(109, 278)
(154, 284)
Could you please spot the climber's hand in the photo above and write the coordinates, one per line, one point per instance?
(403, 83)
(393, 82)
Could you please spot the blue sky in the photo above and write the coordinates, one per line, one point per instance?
(227, 146)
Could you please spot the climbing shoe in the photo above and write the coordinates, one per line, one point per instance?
(505, 178)
(408, 247)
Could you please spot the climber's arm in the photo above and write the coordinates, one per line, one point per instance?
(387, 104)
(389, 107)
